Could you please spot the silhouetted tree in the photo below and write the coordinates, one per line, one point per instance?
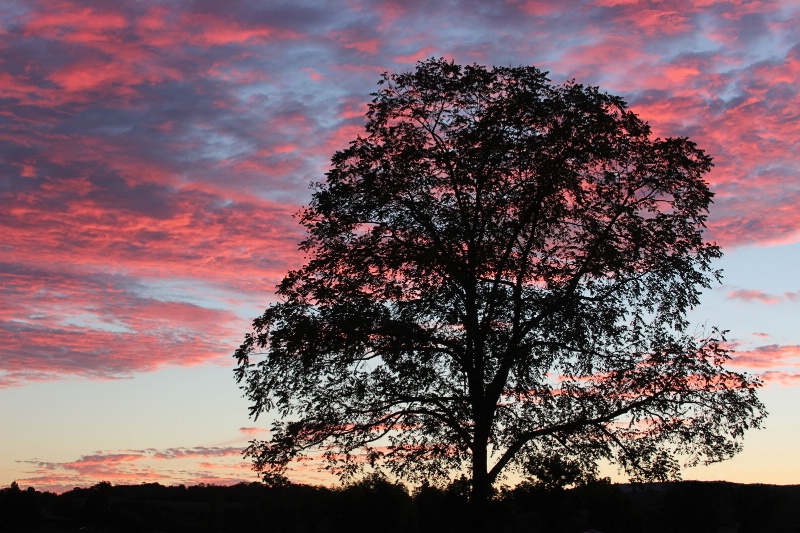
(499, 273)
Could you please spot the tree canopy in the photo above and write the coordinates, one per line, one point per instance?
(498, 277)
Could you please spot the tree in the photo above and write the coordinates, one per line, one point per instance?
(498, 279)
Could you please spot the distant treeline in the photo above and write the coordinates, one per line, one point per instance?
(378, 505)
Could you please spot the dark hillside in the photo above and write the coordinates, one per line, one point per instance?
(378, 505)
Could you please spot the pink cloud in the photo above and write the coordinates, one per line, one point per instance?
(354, 40)
(69, 21)
(655, 21)
(140, 466)
(752, 295)
(613, 3)
(419, 55)
(251, 430)
(785, 379)
(213, 30)
(390, 11)
(199, 451)
(768, 357)
(313, 74)
(538, 8)
(353, 109)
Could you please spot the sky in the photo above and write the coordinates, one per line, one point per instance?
(152, 155)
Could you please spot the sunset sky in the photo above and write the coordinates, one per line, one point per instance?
(152, 155)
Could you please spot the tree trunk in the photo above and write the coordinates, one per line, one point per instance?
(481, 489)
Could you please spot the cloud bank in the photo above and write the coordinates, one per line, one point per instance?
(152, 154)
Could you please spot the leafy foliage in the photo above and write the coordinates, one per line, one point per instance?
(498, 279)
